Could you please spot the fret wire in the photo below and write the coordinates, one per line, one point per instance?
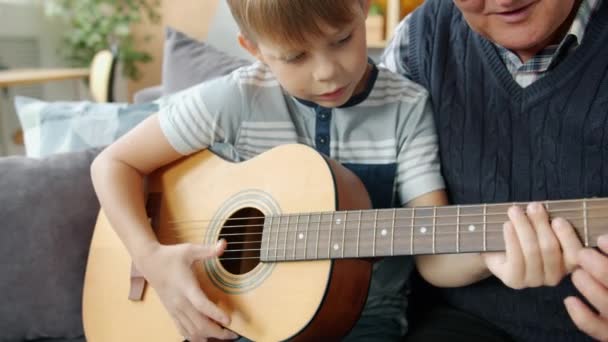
(276, 245)
(295, 240)
(485, 234)
(359, 231)
(331, 225)
(458, 229)
(412, 231)
(344, 231)
(375, 228)
(286, 235)
(269, 235)
(318, 233)
(585, 222)
(306, 237)
(393, 232)
(434, 225)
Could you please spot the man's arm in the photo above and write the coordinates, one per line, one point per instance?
(396, 54)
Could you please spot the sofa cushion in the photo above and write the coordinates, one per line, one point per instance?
(187, 62)
(48, 213)
(69, 126)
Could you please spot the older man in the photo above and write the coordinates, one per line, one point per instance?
(520, 92)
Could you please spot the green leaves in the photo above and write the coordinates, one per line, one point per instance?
(94, 25)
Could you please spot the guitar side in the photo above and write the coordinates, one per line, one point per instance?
(266, 301)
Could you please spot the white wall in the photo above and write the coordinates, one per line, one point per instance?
(26, 18)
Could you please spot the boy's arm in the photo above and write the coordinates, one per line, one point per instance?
(117, 175)
(447, 270)
(118, 180)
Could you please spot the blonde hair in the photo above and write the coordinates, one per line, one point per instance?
(291, 22)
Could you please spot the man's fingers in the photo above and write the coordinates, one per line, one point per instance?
(569, 241)
(586, 320)
(595, 264)
(602, 243)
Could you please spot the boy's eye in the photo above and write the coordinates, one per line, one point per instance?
(345, 39)
(293, 58)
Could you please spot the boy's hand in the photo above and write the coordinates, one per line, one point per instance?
(169, 271)
(592, 281)
(538, 253)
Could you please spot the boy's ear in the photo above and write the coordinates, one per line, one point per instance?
(366, 5)
(250, 46)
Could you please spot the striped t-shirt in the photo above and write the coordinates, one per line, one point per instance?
(385, 135)
(247, 112)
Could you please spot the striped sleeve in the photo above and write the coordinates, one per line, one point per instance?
(396, 54)
(418, 167)
(203, 115)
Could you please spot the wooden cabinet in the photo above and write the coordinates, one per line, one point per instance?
(394, 11)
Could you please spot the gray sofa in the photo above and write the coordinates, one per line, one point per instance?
(47, 214)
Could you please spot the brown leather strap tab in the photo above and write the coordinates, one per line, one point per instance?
(138, 285)
(137, 281)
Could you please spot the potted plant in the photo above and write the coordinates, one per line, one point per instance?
(95, 25)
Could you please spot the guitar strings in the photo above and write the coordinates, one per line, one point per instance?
(491, 227)
(491, 236)
(375, 222)
(339, 214)
(365, 248)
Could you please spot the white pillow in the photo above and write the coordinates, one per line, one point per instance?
(55, 127)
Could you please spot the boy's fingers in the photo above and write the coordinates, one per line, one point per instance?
(205, 327)
(508, 266)
(586, 320)
(185, 325)
(569, 242)
(533, 262)
(202, 252)
(203, 305)
(548, 244)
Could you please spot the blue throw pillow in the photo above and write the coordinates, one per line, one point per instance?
(54, 127)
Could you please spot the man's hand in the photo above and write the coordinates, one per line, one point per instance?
(592, 281)
(538, 252)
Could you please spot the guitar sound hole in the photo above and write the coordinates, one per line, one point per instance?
(243, 232)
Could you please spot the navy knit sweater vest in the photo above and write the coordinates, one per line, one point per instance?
(501, 143)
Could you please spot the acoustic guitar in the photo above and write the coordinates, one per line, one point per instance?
(301, 237)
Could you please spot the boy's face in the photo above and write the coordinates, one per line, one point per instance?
(328, 71)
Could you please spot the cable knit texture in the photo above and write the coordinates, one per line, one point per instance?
(501, 143)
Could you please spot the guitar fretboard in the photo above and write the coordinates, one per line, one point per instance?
(412, 231)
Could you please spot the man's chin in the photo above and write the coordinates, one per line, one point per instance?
(522, 40)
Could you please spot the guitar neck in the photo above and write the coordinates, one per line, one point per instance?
(412, 231)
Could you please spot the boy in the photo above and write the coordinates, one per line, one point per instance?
(315, 85)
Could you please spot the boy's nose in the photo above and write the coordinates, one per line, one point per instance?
(325, 70)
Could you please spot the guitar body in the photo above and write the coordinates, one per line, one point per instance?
(198, 198)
